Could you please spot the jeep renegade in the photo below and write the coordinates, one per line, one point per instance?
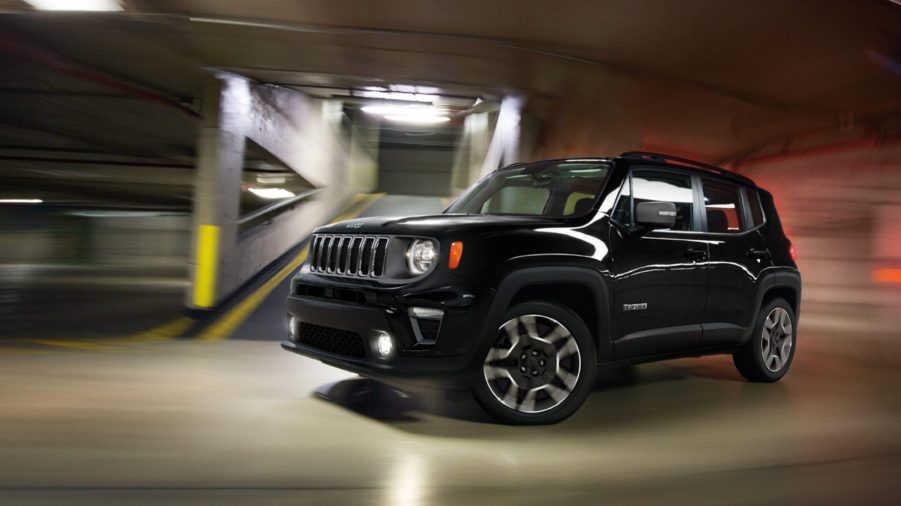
(543, 272)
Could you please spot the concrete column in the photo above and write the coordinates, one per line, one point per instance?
(217, 189)
(504, 148)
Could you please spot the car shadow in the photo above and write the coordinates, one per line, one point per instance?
(623, 397)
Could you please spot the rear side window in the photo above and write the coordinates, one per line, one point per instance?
(754, 203)
(722, 204)
(645, 185)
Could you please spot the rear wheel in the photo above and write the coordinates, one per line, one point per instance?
(767, 356)
(540, 367)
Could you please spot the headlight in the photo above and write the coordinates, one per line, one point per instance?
(421, 256)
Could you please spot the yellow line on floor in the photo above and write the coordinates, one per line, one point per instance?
(231, 320)
(168, 330)
(75, 345)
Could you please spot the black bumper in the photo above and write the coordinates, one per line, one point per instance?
(405, 365)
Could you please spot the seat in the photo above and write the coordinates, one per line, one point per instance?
(583, 206)
(717, 222)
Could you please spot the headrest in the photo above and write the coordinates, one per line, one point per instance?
(717, 221)
(583, 206)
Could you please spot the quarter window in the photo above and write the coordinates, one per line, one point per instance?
(657, 186)
(722, 204)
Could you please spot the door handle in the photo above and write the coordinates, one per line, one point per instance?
(695, 254)
(758, 253)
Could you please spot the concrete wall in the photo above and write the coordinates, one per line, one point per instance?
(144, 243)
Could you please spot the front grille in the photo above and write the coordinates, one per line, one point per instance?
(349, 255)
(337, 341)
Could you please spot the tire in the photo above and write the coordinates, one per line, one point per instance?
(758, 360)
(539, 368)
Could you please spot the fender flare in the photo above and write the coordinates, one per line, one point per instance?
(518, 279)
(771, 280)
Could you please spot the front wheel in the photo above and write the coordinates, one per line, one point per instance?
(767, 356)
(540, 368)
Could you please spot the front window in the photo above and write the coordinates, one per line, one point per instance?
(562, 189)
(657, 186)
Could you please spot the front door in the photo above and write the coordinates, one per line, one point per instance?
(660, 277)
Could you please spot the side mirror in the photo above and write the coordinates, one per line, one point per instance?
(654, 215)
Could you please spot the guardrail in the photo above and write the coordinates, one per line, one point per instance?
(262, 215)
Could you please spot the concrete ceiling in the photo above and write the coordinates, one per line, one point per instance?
(701, 76)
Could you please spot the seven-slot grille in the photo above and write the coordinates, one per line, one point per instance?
(349, 255)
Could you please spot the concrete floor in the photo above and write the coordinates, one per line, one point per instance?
(243, 422)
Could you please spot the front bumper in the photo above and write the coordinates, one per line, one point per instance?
(447, 364)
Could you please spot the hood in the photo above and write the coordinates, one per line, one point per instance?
(432, 225)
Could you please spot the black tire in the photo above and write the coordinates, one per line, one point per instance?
(750, 359)
(570, 372)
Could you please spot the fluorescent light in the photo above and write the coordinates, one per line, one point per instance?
(413, 113)
(21, 201)
(271, 179)
(271, 193)
(76, 5)
(422, 120)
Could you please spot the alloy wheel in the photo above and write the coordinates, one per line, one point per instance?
(533, 365)
(776, 339)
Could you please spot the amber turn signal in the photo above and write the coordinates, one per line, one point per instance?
(456, 253)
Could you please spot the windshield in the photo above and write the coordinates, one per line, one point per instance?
(559, 189)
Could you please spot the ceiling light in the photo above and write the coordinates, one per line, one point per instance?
(421, 120)
(271, 179)
(76, 5)
(412, 113)
(21, 201)
(271, 193)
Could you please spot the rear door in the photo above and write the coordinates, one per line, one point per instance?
(738, 255)
(659, 280)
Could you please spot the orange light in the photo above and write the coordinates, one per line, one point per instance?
(456, 253)
(887, 275)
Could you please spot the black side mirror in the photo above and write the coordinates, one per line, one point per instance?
(654, 215)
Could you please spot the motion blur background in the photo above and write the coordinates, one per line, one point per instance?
(162, 162)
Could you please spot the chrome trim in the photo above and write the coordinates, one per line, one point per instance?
(340, 249)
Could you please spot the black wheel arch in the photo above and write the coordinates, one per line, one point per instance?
(549, 283)
(785, 284)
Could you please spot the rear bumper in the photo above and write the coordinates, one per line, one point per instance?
(403, 366)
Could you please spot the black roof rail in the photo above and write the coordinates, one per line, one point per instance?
(660, 157)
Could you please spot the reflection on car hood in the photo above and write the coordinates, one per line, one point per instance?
(433, 224)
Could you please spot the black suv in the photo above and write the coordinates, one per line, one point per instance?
(543, 272)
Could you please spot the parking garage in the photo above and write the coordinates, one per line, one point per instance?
(163, 164)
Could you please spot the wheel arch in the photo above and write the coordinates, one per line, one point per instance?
(583, 290)
(785, 284)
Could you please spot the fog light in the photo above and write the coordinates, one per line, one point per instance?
(292, 327)
(384, 344)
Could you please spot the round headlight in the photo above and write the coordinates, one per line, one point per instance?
(421, 256)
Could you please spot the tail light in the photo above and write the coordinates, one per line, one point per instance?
(791, 251)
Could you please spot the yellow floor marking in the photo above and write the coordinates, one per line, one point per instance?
(169, 330)
(165, 331)
(231, 320)
(75, 345)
